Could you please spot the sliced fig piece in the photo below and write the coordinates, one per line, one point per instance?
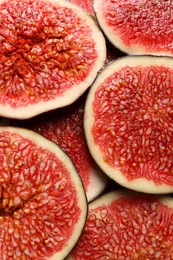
(65, 128)
(50, 53)
(128, 122)
(43, 203)
(87, 5)
(126, 226)
(137, 27)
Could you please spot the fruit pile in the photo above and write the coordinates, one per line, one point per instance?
(86, 135)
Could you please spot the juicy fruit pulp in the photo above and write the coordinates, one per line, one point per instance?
(65, 128)
(67, 131)
(128, 122)
(48, 55)
(43, 205)
(86, 5)
(137, 27)
(127, 227)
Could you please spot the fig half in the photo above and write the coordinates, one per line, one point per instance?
(127, 226)
(50, 53)
(86, 5)
(43, 205)
(137, 27)
(128, 122)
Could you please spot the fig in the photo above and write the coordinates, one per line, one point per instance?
(43, 205)
(86, 5)
(125, 225)
(137, 27)
(128, 122)
(50, 53)
(65, 128)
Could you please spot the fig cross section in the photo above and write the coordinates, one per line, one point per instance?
(43, 203)
(50, 53)
(137, 27)
(127, 226)
(128, 122)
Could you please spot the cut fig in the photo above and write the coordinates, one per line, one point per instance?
(126, 226)
(50, 53)
(128, 122)
(87, 5)
(43, 203)
(137, 27)
(65, 128)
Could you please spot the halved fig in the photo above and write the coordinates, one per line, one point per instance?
(137, 27)
(43, 204)
(126, 226)
(65, 128)
(50, 53)
(128, 122)
(87, 5)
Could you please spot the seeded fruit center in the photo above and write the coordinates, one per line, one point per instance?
(67, 131)
(145, 23)
(38, 203)
(128, 229)
(138, 138)
(44, 50)
(86, 5)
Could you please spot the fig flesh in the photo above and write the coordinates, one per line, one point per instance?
(65, 128)
(50, 53)
(86, 5)
(137, 27)
(43, 203)
(124, 225)
(128, 122)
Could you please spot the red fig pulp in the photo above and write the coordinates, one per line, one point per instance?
(50, 53)
(43, 205)
(126, 226)
(137, 27)
(86, 5)
(65, 128)
(128, 122)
